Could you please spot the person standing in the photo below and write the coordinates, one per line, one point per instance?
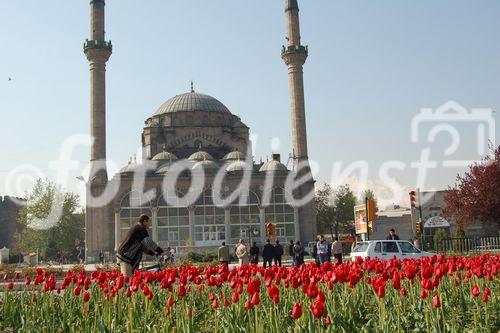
(101, 257)
(290, 252)
(241, 253)
(254, 254)
(298, 252)
(314, 253)
(323, 250)
(278, 253)
(136, 242)
(392, 235)
(268, 253)
(337, 250)
(223, 254)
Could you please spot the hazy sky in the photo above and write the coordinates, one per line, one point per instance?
(372, 66)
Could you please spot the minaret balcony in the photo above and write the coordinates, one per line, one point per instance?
(294, 49)
(97, 44)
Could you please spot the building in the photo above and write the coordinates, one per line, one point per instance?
(433, 219)
(9, 213)
(393, 217)
(190, 134)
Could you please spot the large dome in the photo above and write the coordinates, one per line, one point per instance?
(192, 101)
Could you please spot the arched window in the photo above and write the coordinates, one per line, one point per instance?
(132, 206)
(209, 221)
(282, 214)
(173, 221)
(245, 218)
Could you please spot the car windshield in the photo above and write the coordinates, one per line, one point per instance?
(361, 247)
(407, 247)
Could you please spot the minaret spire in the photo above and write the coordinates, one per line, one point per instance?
(294, 55)
(98, 52)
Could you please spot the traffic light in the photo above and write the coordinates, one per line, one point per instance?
(271, 229)
(413, 200)
(417, 227)
(371, 210)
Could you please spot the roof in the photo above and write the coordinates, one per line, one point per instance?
(192, 101)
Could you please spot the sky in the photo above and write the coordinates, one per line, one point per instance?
(372, 67)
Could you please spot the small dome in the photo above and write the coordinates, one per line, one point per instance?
(200, 156)
(164, 156)
(192, 101)
(238, 166)
(273, 165)
(130, 167)
(234, 155)
(206, 164)
(164, 167)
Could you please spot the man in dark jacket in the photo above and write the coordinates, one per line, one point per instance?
(268, 253)
(278, 253)
(392, 235)
(136, 241)
(254, 254)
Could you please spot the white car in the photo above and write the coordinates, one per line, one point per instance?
(387, 249)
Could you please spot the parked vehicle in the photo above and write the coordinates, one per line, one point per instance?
(387, 249)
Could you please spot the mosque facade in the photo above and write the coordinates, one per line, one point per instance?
(196, 177)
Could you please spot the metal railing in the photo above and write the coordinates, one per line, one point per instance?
(475, 245)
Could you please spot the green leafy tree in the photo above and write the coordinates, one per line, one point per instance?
(325, 211)
(367, 194)
(42, 229)
(334, 210)
(344, 201)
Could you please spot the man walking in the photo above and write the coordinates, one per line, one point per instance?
(241, 253)
(392, 235)
(223, 254)
(298, 253)
(136, 241)
(337, 250)
(268, 253)
(278, 253)
(323, 251)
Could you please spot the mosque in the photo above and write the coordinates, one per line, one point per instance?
(194, 132)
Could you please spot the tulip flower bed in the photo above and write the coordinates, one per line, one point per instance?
(439, 294)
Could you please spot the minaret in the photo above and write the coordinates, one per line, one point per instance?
(98, 229)
(98, 52)
(295, 55)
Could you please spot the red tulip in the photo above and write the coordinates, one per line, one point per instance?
(328, 320)
(475, 291)
(226, 302)
(10, 285)
(77, 291)
(17, 276)
(128, 292)
(403, 291)
(423, 294)
(182, 290)
(236, 297)
(487, 291)
(215, 304)
(437, 303)
(255, 299)
(381, 292)
(189, 313)
(5, 277)
(248, 304)
(167, 311)
(296, 311)
(485, 298)
(27, 281)
(170, 301)
(86, 296)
